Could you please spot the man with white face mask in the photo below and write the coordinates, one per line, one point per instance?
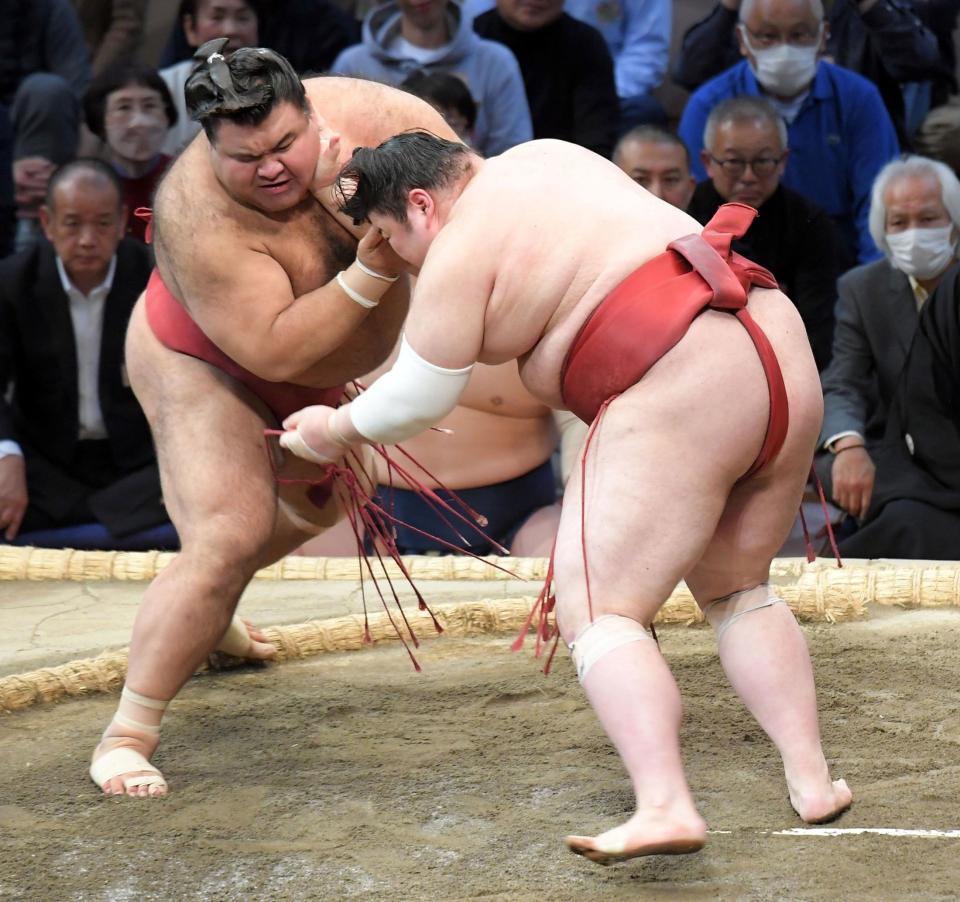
(839, 131)
(130, 110)
(914, 216)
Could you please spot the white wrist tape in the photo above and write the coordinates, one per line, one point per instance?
(293, 441)
(373, 273)
(413, 396)
(355, 295)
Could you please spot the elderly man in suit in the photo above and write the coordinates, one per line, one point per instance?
(75, 447)
(915, 220)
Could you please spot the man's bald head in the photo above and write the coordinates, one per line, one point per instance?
(96, 175)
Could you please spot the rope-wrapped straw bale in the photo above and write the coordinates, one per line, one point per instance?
(106, 672)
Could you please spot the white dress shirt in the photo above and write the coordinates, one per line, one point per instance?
(86, 313)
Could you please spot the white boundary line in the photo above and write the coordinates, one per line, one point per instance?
(853, 831)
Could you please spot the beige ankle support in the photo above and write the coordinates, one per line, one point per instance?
(602, 636)
(134, 708)
(236, 640)
(722, 613)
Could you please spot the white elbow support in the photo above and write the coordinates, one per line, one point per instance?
(411, 397)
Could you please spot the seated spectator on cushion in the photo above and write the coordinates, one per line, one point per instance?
(401, 36)
(45, 72)
(449, 96)
(839, 132)
(309, 33)
(130, 110)
(567, 71)
(915, 219)
(657, 160)
(637, 33)
(914, 509)
(75, 447)
(885, 41)
(745, 152)
(113, 31)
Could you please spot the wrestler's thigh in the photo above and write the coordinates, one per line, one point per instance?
(218, 486)
(761, 511)
(659, 470)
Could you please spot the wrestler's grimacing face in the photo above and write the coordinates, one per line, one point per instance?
(268, 166)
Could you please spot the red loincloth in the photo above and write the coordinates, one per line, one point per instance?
(175, 329)
(651, 310)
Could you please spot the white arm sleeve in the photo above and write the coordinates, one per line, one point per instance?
(412, 396)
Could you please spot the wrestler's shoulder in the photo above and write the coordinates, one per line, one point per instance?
(368, 112)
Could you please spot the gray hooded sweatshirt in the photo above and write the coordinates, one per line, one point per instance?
(489, 69)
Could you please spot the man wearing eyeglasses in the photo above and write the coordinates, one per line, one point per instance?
(839, 131)
(745, 153)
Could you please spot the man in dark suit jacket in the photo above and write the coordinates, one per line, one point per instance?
(745, 152)
(914, 217)
(75, 446)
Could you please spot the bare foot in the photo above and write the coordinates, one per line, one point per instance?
(135, 783)
(823, 806)
(646, 833)
(261, 649)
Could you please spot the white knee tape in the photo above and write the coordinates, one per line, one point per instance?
(602, 636)
(725, 612)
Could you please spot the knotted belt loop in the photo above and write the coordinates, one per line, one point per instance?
(728, 293)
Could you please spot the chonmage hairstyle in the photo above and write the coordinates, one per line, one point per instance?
(378, 180)
(243, 88)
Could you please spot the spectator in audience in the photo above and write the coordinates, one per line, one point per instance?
(113, 30)
(75, 447)
(44, 74)
(448, 95)
(882, 40)
(637, 33)
(840, 134)
(309, 33)
(202, 21)
(657, 160)
(915, 219)
(400, 36)
(745, 152)
(130, 110)
(914, 511)
(939, 135)
(567, 71)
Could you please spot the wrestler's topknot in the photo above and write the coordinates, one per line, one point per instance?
(378, 180)
(242, 87)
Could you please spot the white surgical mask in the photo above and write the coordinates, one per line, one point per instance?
(784, 70)
(922, 253)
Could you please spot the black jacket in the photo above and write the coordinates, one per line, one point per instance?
(38, 358)
(568, 76)
(796, 241)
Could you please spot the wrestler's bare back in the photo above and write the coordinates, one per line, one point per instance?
(211, 249)
(576, 226)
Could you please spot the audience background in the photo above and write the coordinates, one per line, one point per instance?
(312, 33)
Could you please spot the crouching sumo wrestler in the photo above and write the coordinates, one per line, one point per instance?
(698, 378)
(262, 302)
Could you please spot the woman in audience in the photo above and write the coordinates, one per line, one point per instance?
(130, 110)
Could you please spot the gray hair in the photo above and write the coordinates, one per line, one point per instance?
(911, 166)
(746, 8)
(743, 109)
